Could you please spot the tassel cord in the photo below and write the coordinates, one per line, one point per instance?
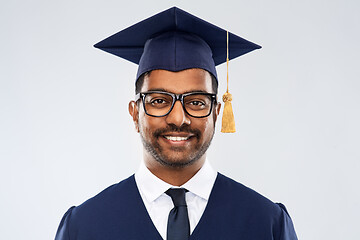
(228, 122)
(227, 62)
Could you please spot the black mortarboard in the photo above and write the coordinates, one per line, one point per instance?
(175, 40)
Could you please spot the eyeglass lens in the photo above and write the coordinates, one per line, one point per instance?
(159, 104)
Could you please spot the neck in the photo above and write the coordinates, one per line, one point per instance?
(175, 176)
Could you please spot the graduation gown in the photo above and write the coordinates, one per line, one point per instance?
(233, 212)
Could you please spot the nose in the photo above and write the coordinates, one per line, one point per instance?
(177, 116)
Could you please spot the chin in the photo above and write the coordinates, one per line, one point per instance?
(176, 163)
(177, 157)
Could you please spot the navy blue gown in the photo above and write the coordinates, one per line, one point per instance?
(233, 212)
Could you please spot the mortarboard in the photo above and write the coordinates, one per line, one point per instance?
(175, 40)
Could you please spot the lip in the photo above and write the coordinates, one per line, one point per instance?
(175, 141)
(178, 134)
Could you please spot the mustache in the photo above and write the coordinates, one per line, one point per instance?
(173, 128)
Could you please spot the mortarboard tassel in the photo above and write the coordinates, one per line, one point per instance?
(228, 121)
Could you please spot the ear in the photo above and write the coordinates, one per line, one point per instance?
(217, 110)
(134, 112)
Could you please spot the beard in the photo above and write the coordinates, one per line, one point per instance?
(177, 159)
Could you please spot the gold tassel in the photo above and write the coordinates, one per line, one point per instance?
(228, 120)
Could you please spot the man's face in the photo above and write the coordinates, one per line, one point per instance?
(177, 139)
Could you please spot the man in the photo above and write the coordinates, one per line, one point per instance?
(176, 194)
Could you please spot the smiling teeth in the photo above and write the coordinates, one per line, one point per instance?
(176, 138)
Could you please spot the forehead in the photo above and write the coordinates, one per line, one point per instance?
(189, 80)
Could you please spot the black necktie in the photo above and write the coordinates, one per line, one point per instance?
(178, 223)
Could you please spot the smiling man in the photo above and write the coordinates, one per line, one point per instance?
(176, 194)
(175, 134)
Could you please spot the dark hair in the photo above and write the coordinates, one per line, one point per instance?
(140, 82)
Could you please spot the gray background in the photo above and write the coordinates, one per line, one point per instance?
(65, 133)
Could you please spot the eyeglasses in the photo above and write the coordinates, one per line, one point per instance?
(160, 104)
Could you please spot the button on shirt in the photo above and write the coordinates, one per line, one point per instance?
(158, 204)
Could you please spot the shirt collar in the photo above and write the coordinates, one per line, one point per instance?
(152, 187)
(202, 182)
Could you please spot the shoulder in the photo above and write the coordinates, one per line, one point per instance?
(108, 202)
(102, 211)
(237, 209)
(234, 192)
(116, 193)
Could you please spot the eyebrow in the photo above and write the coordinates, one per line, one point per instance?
(164, 90)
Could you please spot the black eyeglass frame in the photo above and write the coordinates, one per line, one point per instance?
(175, 98)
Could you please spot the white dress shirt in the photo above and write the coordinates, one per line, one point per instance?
(158, 204)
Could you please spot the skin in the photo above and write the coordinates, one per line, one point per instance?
(175, 162)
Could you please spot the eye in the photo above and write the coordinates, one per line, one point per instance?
(197, 103)
(157, 101)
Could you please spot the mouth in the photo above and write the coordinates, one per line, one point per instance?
(178, 139)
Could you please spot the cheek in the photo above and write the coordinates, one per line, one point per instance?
(205, 125)
(149, 124)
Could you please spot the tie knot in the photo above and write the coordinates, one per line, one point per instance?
(177, 195)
